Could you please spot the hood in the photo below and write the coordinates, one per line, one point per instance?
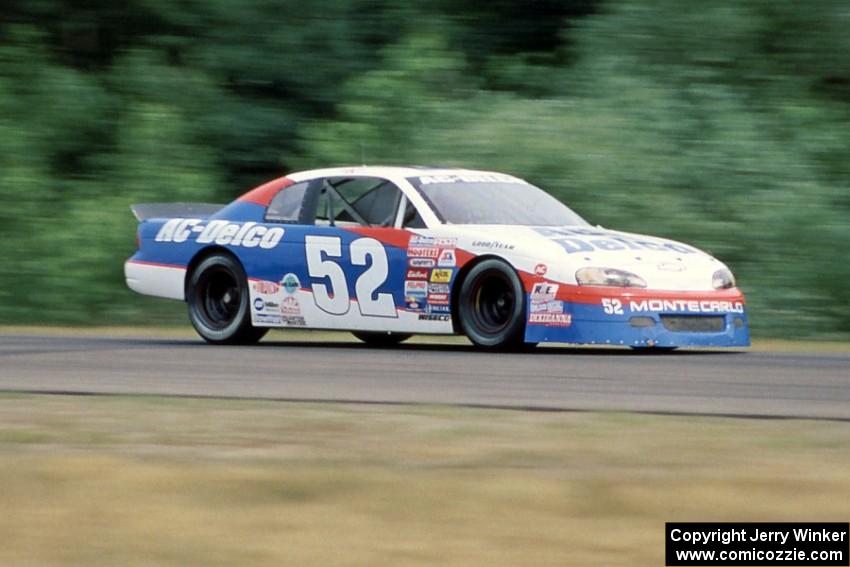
(664, 264)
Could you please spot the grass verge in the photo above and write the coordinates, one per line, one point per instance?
(132, 481)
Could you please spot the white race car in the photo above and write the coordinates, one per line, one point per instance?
(387, 252)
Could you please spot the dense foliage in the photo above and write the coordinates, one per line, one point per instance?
(724, 124)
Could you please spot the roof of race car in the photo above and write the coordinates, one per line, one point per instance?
(263, 194)
(381, 171)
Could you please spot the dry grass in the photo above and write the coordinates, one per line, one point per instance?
(180, 482)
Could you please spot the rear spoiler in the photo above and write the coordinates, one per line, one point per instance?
(146, 211)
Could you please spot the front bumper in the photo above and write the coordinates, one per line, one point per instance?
(629, 319)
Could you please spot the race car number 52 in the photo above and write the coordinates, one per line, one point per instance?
(321, 251)
(612, 306)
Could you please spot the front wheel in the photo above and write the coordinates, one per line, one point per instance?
(381, 340)
(492, 306)
(218, 300)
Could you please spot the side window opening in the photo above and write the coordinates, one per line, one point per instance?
(286, 205)
(366, 201)
(323, 207)
(412, 219)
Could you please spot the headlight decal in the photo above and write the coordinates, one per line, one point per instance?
(723, 279)
(608, 277)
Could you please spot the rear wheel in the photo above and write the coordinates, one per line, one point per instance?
(492, 306)
(379, 339)
(218, 300)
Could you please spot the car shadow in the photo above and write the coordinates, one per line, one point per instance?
(44, 345)
(547, 350)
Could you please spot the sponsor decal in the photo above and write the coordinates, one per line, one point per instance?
(438, 308)
(444, 242)
(265, 287)
(290, 283)
(540, 269)
(492, 245)
(421, 263)
(294, 321)
(272, 307)
(574, 240)
(423, 252)
(548, 307)
(441, 276)
(222, 232)
(434, 317)
(414, 303)
(438, 299)
(447, 259)
(551, 319)
(417, 240)
(290, 306)
(671, 267)
(267, 318)
(439, 288)
(469, 178)
(415, 288)
(259, 304)
(542, 292)
(691, 306)
(417, 274)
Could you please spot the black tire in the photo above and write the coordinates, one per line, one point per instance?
(491, 306)
(217, 294)
(381, 339)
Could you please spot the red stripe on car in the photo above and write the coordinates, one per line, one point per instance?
(264, 194)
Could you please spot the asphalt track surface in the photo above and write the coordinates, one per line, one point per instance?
(750, 384)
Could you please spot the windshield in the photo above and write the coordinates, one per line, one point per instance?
(492, 198)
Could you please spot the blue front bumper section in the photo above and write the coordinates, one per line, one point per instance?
(621, 331)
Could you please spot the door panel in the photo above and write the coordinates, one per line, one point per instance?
(349, 275)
